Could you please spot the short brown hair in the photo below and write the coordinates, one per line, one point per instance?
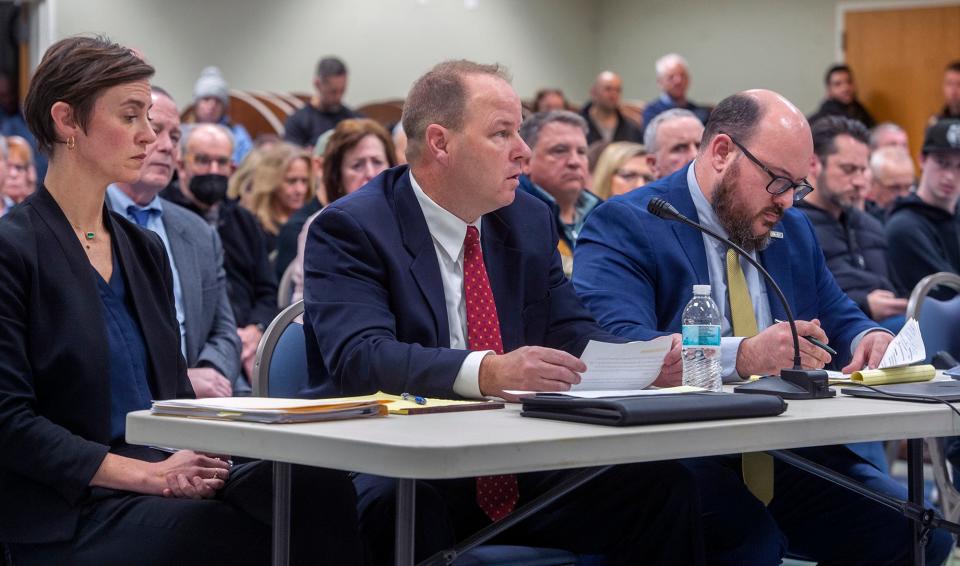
(345, 137)
(77, 70)
(440, 97)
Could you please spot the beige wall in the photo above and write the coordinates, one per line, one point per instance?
(273, 45)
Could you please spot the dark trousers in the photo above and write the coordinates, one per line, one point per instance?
(636, 512)
(234, 528)
(824, 522)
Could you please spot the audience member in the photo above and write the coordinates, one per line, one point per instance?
(672, 140)
(923, 232)
(208, 333)
(635, 272)
(326, 108)
(73, 491)
(211, 105)
(951, 93)
(281, 184)
(603, 115)
(548, 99)
(673, 79)
(888, 134)
(386, 289)
(891, 177)
(12, 122)
(852, 241)
(21, 172)
(622, 167)
(205, 166)
(240, 186)
(399, 143)
(556, 173)
(841, 98)
(287, 238)
(6, 203)
(359, 150)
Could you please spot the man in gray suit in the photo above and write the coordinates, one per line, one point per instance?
(208, 334)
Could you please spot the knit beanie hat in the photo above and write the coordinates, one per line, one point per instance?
(209, 84)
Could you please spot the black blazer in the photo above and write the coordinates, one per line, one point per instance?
(54, 375)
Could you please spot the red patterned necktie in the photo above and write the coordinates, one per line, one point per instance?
(496, 495)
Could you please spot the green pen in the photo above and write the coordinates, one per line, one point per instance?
(814, 341)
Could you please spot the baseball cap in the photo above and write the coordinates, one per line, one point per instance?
(942, 136)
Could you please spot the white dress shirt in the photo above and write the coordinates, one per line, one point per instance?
(448, 233)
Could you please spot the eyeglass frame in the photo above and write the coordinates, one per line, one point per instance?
(798, 188)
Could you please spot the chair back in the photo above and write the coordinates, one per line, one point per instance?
(285, 287)
(280, 365)
(939, 319)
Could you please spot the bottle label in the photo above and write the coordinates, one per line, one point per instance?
(701, 335)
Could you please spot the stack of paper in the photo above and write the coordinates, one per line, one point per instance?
(269, 410)
(397, 405)
(907, 348)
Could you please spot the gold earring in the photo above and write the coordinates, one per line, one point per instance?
(71, 143)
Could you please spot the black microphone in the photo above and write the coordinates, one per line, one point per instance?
(793, 383)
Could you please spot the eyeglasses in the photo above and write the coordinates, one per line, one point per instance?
(204, 160)
(633, 176)
(778, 183)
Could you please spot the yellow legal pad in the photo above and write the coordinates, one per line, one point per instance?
(397, 405)
(905, 374)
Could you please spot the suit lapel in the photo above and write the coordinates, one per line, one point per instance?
(424, 266)
(503, 265)
(690, 240)
(776, 260)
(188, 268)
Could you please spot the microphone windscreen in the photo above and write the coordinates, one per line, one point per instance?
(661, 208)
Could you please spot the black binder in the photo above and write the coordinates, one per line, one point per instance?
(652, 409)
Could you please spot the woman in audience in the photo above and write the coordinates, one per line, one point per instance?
(280, 185)
(88, 332)
(359, 150)
(622, 167)
(240, 185)
(21, 173)
(548, 99)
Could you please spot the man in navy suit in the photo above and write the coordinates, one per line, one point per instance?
(391, 280)
(635, 272)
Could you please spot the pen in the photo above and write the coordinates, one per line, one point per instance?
(415, 398)
(815, 342)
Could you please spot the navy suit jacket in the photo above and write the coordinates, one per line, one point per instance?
(635, 271)
(375, 312)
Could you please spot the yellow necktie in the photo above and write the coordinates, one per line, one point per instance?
(757, 466)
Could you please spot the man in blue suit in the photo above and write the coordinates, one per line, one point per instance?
(635, 272)
(393, 273)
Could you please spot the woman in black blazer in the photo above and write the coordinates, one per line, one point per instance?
(88, 332)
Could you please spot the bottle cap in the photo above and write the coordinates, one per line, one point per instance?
(701, 289)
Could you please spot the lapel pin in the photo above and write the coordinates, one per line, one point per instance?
(776, 234)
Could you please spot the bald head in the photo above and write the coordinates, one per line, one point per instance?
(892, 175)
(606, 91)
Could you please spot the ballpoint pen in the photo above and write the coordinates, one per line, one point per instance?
(815, 342)
(415, 398)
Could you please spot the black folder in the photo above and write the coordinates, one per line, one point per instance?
(652, 409)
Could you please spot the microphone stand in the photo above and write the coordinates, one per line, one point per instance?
(792, 383)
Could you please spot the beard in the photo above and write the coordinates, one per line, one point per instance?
(839, 200)
(735, 218)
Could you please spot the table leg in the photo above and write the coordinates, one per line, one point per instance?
(281, 514)
(406, 515)
(915, 495)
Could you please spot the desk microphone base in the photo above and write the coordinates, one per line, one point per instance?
(791, 384)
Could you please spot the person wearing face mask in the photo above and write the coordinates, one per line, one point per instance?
(359, 150)
(204, 168)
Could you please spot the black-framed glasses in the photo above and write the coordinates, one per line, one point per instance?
(778, 183)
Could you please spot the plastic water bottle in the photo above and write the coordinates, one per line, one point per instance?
(701, 341)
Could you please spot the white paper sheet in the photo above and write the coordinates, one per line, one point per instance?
(620, 367)
(612, 392)
(907, 348)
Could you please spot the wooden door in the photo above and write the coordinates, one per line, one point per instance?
(898, 56)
